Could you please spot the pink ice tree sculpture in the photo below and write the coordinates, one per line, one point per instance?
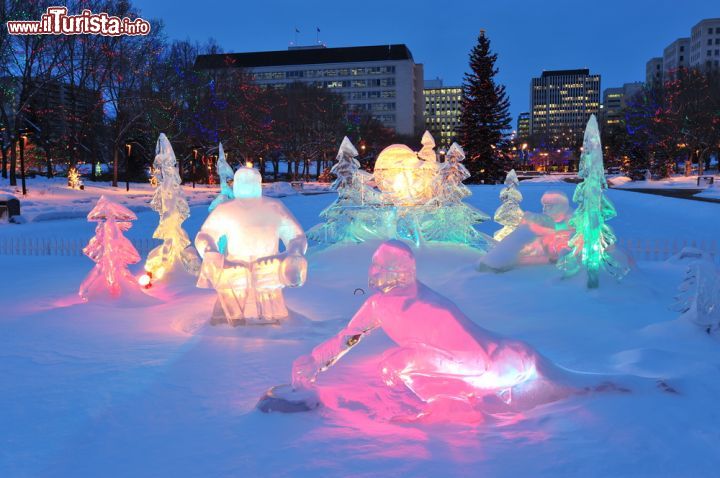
(110, 250)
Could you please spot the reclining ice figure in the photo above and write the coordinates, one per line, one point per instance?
(239, 244)
(441, 355)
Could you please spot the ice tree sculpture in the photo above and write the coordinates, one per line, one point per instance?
(169, 201)
(593, 237)
(509, 214)
(225, 173)
(443, 360)
(699, 296)
(427, 153)
(239, 245)
(447, 218)
(110, 250)
(350, 216)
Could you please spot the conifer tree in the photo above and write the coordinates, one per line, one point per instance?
(484, 117)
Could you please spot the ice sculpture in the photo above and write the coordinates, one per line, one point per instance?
(351, 217)
(239, 246)
(447, 218)
(110, 250)
(427, 153)
(225, 173)
(416, 199)
(699, 295)
(539, 239)
(169, 201)
(593, 238)
(441, 355)
(509, 215)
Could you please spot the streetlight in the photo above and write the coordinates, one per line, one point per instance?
(23, 138)
(128, 151)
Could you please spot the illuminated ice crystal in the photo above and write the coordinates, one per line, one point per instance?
(509, 215)
(591, 244)
(110, 250)
(441, 354)
(239, 245)
(225, 173)
(169, 201)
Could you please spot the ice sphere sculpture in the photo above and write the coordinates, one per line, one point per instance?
(509, 215)
(239, 245)
(441, 355)
(110, 250)
(225, 173)
(591, 244)
(169, 201)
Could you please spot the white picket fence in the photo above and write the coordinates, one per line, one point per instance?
(638, 249)
(36, 246)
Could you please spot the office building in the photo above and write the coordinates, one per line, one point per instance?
(675, 56)
(561, 102)
(442, 111)
(705, 44)
(615, 100)
(654, 71)
(382, 80)
(523, 126)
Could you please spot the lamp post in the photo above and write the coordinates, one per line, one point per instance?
(23, 138)
(195, 153)
(128, 151)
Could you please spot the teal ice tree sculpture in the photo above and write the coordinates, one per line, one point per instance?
(226, 174)
(448, 218)
(509, 215)
(349, 217)
(593, 238)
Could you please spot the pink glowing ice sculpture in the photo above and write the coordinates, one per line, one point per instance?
(111, 252)
(441, 358)
(239, 246)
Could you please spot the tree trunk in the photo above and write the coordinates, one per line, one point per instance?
(13, 163)
(4, 160)
(116, 159)
(48, 162)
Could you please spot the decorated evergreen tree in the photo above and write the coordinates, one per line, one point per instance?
(111, 251)
(484, 116)
(509, 215)
(593, 237)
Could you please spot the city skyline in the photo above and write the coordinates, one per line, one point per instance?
(610, 41)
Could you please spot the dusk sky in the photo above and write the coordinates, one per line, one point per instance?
(614, 38)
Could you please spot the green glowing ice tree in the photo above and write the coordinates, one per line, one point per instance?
(590, 245)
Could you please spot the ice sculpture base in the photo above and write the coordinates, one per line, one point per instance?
(285, 399)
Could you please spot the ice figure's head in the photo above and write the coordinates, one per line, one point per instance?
(393, 267)
(247, 183)
(556, 205)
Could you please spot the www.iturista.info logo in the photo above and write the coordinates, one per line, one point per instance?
(56, 21)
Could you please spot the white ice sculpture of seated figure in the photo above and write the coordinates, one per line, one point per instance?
(239, 244)
(539, 239)
(441, 355)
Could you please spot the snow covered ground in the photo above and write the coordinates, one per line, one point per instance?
(112, 390)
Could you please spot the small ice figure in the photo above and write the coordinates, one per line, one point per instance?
(239, 246)
(539, 239)
(442, 357)
(225, 173)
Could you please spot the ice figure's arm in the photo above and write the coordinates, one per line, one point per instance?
(209, 235)
(540, 224)
(291, 234)
(306, 368)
